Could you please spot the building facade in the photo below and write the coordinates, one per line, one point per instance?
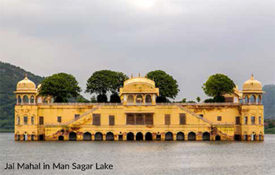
(139, 117)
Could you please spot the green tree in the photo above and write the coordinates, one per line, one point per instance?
(168, 86)
(198, 99)
(217, 85)
(183, 100)
(104, 81)
(60, 86)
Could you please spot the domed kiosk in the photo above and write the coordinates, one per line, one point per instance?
(252, 91)
(26, 91)
(139, 91)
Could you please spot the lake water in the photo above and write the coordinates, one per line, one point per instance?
(143, 157)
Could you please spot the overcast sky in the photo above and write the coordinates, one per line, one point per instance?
(189, 39)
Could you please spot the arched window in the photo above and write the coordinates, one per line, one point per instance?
(25, 99)
(110, 136)
(19, 99)
(148, 99)
(206, 136)
(191, 136)
(139, 99)
(253, 99)
(32, 99)
(87, 136)
(72, 136)
(130, 99)
(169, 136)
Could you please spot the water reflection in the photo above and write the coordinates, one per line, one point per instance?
(146, 157)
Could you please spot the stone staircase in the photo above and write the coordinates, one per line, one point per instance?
(75, 122)
(211, 124)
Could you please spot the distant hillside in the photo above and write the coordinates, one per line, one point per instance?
(269, 101)
(9, 76)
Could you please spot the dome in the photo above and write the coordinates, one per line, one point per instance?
(25, 85)
(139, 80)
(252, 85)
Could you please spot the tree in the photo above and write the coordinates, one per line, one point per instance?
(104, 81)
(102, 98)
(114, 98)
(198, 99)
(60, 86)
(183, 100)
(168, 86)
(217, 85)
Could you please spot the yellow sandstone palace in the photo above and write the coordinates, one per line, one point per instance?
(139, 117)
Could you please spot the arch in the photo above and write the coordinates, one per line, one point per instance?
(252, 99)
(25, 136)
(139, 99)
(253, 136)
(180, 136)
(218, 138)
(87, 136)
(148, 136)
(72, 136)
(41, 137)
(130, 99)
(32, 99)
(61, 138)
(191, 136)
(32, 137)
(110, 136)
(139, 136)
(25, 99)
(98, 136)
(130, 136)
(169, 136)
(148, 99)
(19, 99)
(206, 136)
(237, 137)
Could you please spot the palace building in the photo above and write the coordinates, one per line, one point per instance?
(139, 117)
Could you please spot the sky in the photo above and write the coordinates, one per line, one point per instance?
(189, 39)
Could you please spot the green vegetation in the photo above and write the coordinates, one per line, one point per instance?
(104, 81)
(60, 86)
(216, 86)
(269, 126)
(168, 86)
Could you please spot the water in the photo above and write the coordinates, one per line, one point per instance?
(144, 157)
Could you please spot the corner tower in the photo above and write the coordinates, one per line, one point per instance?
(26, 92)
(252, 91)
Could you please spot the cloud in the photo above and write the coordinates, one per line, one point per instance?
(189, 39)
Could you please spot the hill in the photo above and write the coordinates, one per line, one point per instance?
(9, 76)
(269, 101)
